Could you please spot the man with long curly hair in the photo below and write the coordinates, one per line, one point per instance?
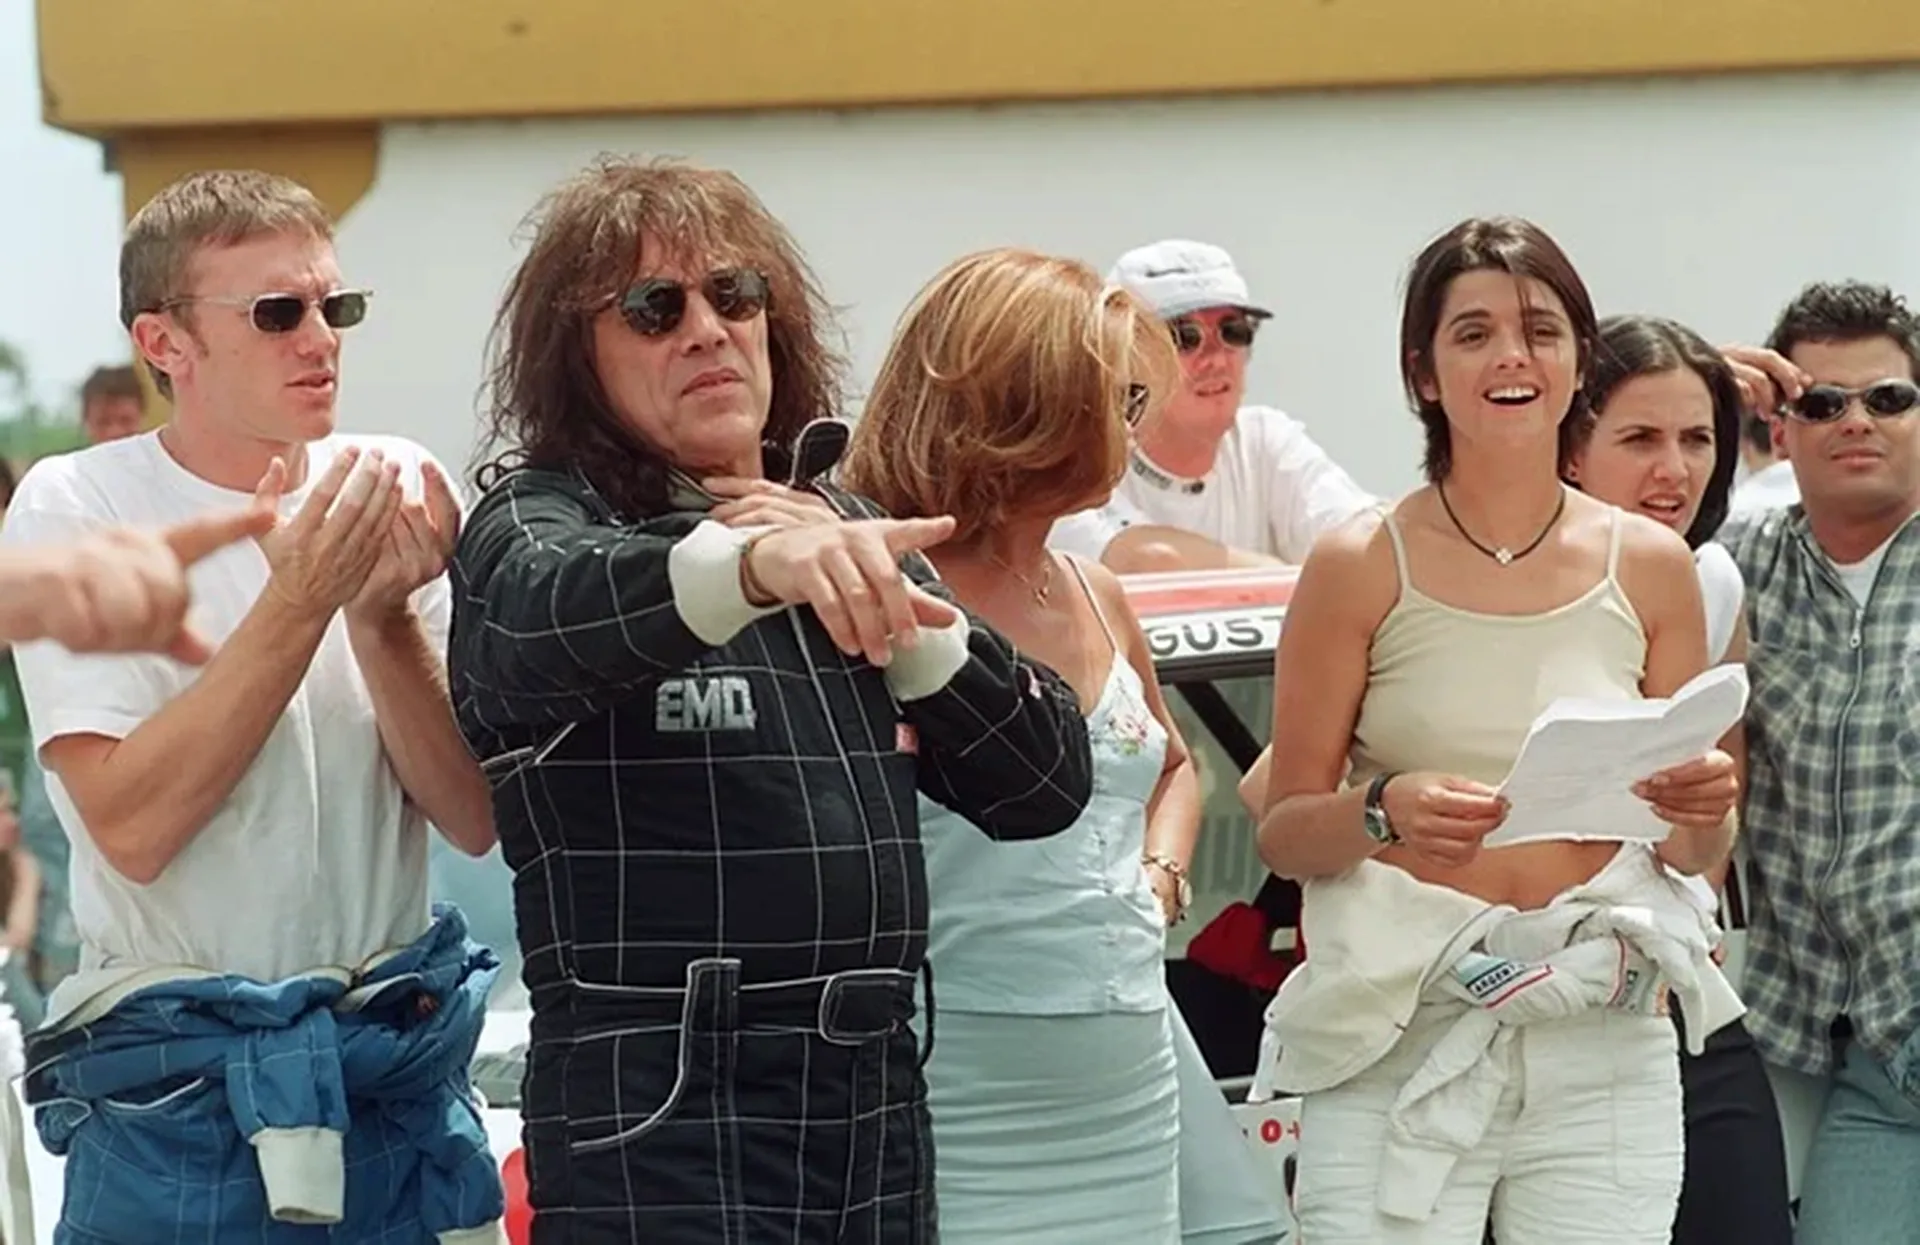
(708, 702)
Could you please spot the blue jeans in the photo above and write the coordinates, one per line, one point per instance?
(1863, 1170)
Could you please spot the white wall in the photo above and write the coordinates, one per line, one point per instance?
(1708, 200)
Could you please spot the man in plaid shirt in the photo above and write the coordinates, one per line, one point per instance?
(1833, 804)
(707, 702)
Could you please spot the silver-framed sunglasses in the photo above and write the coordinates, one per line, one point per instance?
(283, 313)
(1883, 399)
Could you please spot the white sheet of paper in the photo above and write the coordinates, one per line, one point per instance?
(1575, 773)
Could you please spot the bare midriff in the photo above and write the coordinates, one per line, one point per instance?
(1525, 876)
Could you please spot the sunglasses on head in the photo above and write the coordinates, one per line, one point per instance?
(283, 313)
(656, 306)
(1235, 330)
(1822, 404)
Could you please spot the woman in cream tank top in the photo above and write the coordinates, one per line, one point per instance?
(1421, 643)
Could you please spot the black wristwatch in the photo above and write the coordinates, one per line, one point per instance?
(1374, 812)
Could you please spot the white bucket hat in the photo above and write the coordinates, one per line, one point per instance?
(1177, 277)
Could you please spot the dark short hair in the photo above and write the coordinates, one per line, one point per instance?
(110, 382)
(1631, 346)
(1847, 311)
(1758, 430)
(1504, 244)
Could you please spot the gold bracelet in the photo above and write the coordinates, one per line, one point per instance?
(1165, 862)
(750, 586)
(1182, 885)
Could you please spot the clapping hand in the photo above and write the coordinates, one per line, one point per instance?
(323, 556)
(418, 545)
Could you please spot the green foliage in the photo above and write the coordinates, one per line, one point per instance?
(29, 430)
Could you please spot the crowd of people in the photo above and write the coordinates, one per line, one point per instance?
(845, 816)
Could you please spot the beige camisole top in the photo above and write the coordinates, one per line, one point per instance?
(1455, 691)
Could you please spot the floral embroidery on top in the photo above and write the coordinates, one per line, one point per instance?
(1130, 729)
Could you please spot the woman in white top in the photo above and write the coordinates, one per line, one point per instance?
(1052, 1083)
(1661, 438)
(1476, 1025)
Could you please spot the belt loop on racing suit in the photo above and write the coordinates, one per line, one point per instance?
(926, 988)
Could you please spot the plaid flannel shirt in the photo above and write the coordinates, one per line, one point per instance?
(751, 798)
(1832, 811)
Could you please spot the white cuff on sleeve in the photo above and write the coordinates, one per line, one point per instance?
(704, 569)
(306, 1181)
(918, 672)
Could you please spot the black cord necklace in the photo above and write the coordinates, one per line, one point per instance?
(1502, 555)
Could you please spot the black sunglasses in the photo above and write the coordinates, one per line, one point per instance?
(283, 313)
(1822, 404)
(1136, 404)
(656, 306)
(1236, 331)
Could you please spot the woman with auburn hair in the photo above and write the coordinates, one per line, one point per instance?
(1005, 401)
(1481, 1029)
(1661, 436)
(707, 703)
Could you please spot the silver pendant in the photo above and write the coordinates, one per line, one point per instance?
(1502, 556)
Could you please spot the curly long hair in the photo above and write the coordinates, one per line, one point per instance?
(546, 407)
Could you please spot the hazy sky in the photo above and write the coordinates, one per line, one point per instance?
(60, 223)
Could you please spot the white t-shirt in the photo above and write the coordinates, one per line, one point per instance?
(1272, 491)
(1725, 594)
(316, 859)
(1773, 487)
(1859, 576)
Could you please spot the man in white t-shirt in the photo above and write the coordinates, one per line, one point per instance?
(1211, 483)
(1766, 481)
(264, 815)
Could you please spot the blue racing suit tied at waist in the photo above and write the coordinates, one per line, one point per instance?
(217, 1109)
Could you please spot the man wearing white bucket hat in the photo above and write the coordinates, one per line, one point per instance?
(1211, 482)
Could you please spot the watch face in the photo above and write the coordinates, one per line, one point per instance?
(1377, 828)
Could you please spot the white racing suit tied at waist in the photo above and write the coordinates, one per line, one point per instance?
(1621, 940)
